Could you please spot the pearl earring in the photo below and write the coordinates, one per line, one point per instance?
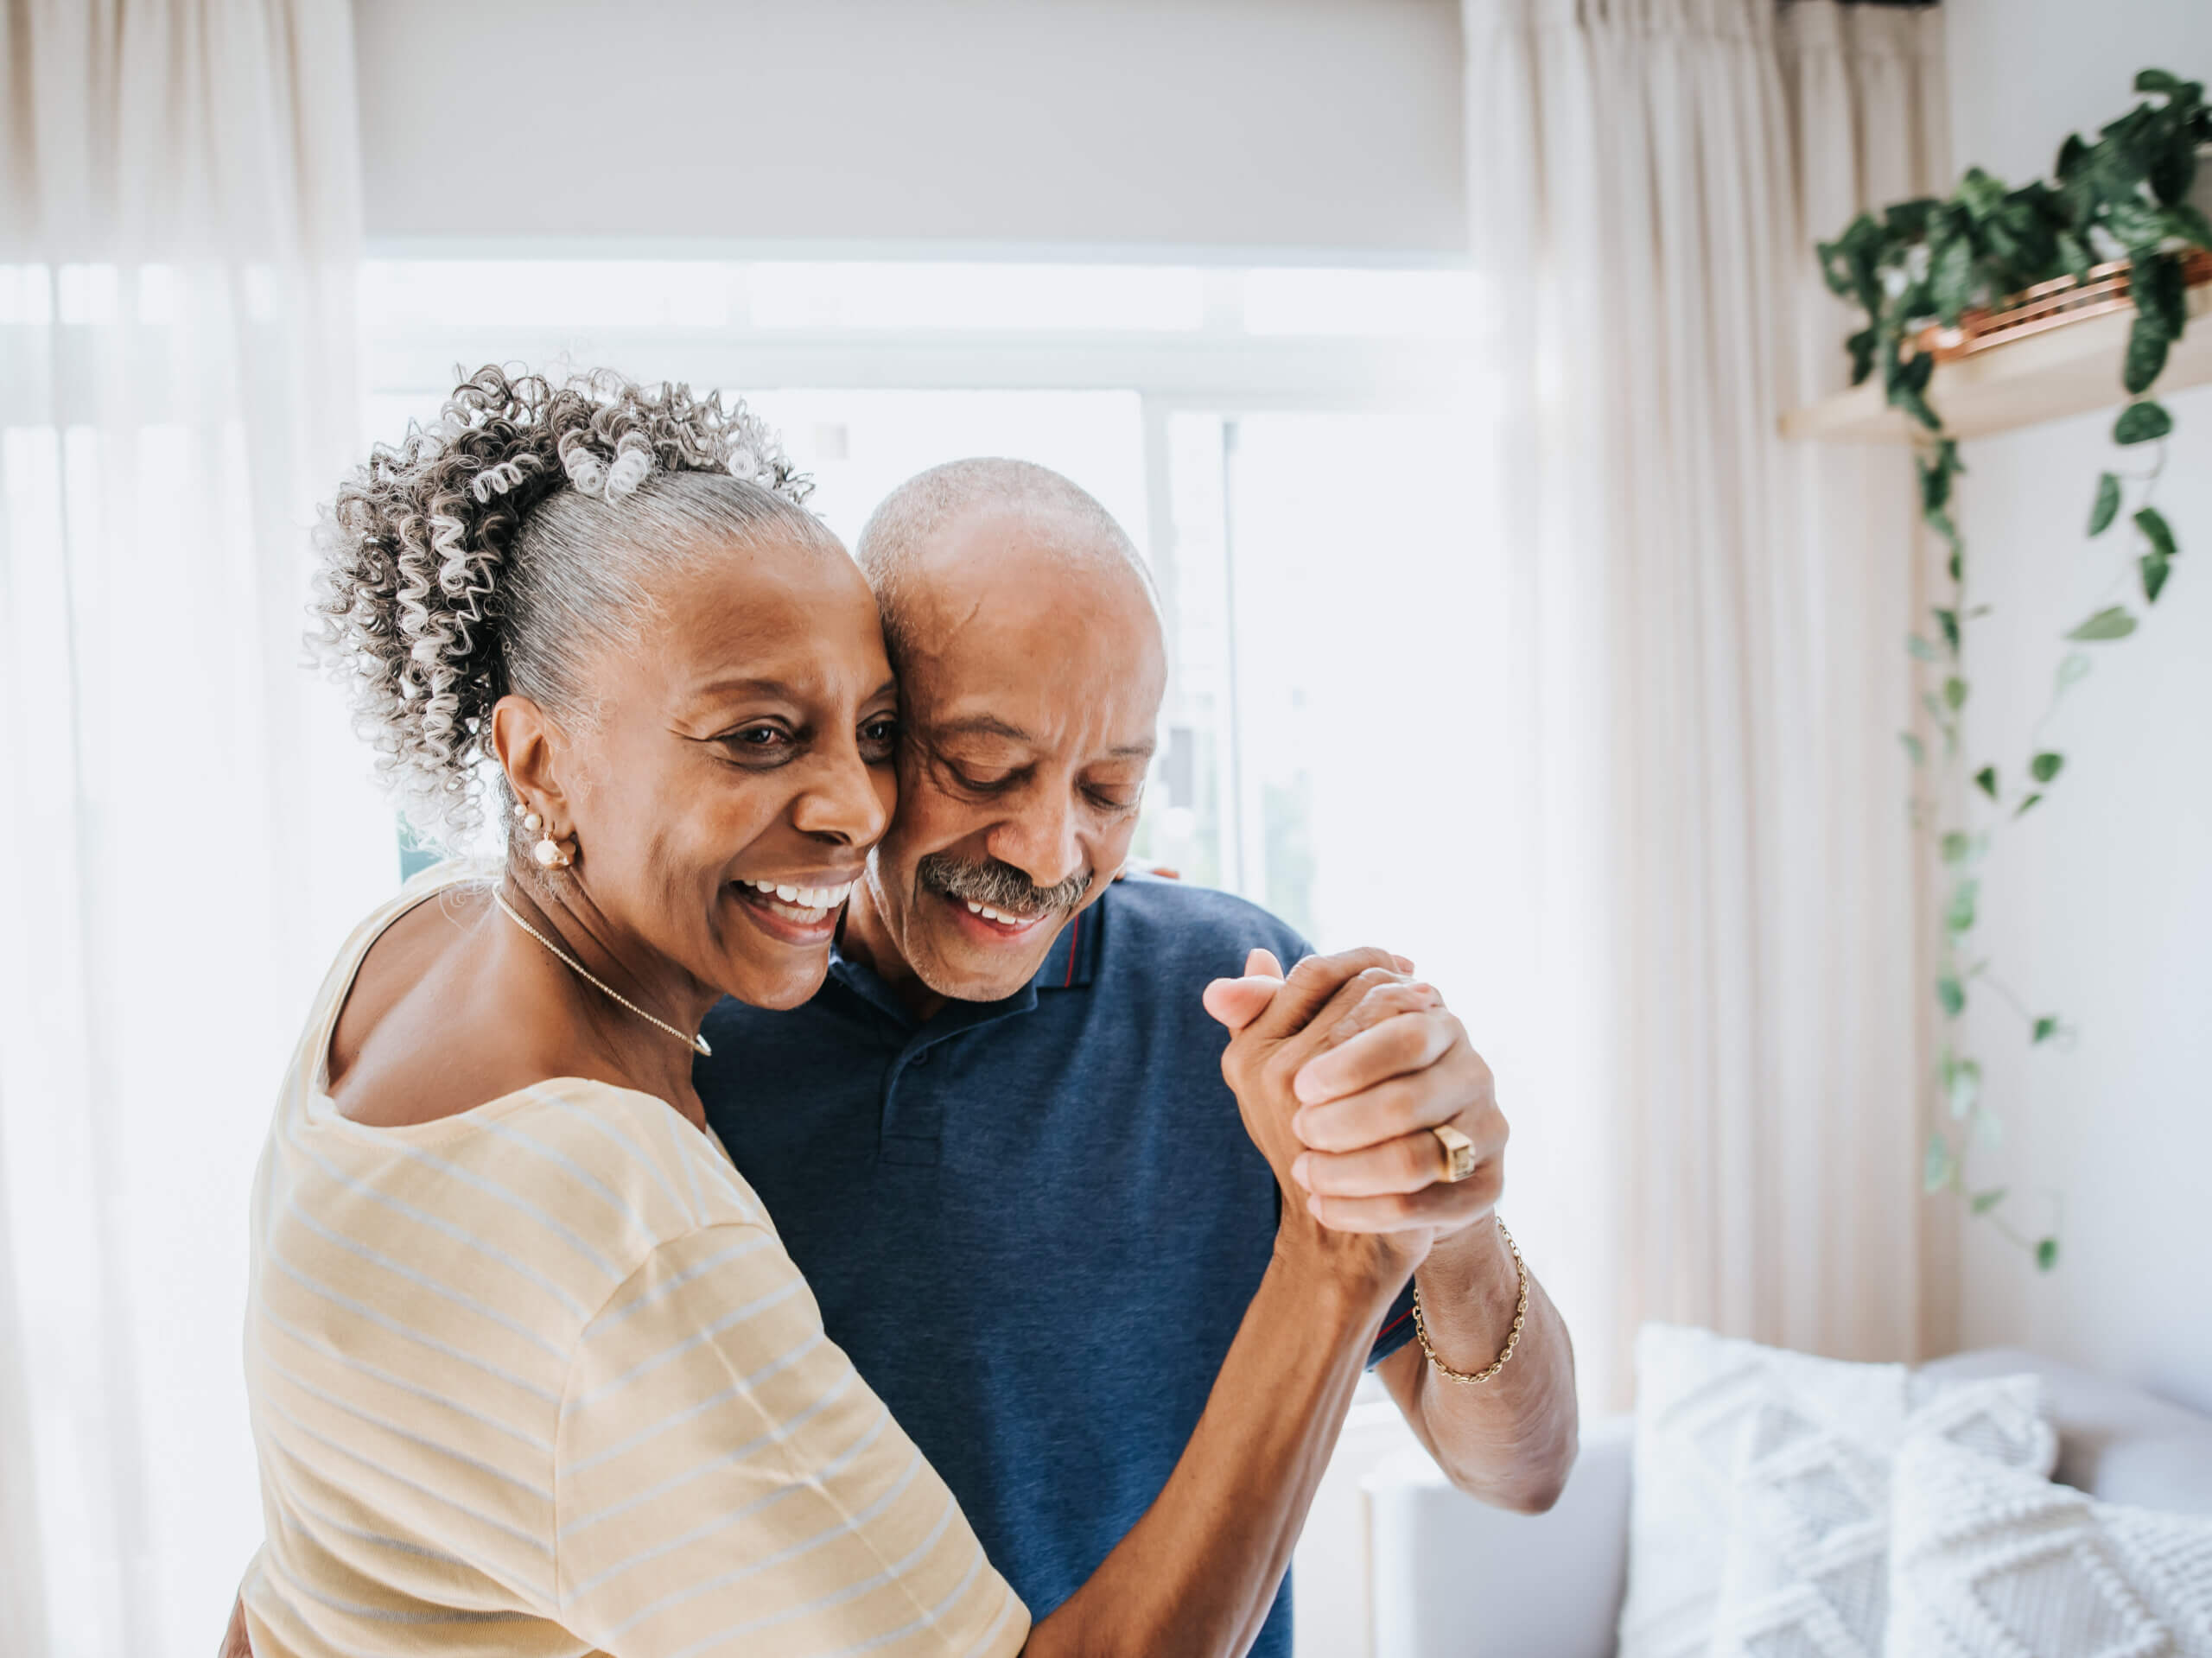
(549, 851)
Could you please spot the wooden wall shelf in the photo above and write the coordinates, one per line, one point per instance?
(2066, 371)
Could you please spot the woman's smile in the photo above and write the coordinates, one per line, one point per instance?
(798, 909)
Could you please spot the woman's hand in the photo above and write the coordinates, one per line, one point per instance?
(1277, 1024)
(236, 1643)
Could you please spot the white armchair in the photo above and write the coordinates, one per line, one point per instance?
(1452, 1578)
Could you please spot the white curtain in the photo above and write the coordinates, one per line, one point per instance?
(183, 834)
(1712, 980)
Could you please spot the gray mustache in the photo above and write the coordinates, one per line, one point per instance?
(1000, 886)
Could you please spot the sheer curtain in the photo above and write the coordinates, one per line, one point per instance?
(182, 837)
(1711, 976)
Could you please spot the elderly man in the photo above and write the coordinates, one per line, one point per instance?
(999, 1141)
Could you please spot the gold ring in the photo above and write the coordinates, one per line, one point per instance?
(1458, 1152)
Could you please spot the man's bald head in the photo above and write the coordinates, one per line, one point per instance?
(1054, 528)
(1031, 667)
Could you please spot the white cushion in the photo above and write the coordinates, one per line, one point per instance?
(1991, 1562)
(2116, 1442)
(1806, 1570)
(1704, 1402)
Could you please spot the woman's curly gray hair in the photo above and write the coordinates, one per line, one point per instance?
(499, 550)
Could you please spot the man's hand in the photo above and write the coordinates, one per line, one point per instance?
(1279, 1023)
(235, 1641)
(1387, 1071)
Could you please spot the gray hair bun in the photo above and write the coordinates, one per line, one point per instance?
(418, 552)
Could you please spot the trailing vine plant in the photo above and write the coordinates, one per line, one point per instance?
(1929, 262)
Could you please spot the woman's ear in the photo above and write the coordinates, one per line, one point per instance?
(526, 743)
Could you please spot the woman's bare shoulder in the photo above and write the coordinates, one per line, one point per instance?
(422, 1033)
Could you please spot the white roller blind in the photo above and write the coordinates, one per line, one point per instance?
(1246, 124)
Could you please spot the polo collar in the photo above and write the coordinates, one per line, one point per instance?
(1072, 962)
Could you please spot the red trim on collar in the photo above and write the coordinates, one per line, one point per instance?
(1075, 933)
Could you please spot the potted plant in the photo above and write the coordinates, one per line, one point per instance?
(2123, 222)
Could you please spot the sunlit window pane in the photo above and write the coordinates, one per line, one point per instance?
(859, 446)
(26, 296)
(1419, 304)
(545, 293)
(1163, 299)
(87, 293)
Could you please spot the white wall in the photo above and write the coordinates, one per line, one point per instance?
(1252, 124)
(2099, 904)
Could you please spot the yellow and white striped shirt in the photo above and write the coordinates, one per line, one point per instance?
(539, 1379)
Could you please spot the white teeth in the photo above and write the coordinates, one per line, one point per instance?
(815, 901)
(990, 914)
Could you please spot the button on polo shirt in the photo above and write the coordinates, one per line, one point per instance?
(1034, 1224)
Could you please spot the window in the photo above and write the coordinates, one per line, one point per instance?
(1292, 449)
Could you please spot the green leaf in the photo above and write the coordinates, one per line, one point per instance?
(2075, 255)
(1921, 650)
(2190, 224)
(1948, 621)
(2021, 811)
(1861, 347)
(2107, 506)
(2110, 623)
(1963, 1086)
(2046, 1254)
(1954, 693)
(1985, 1201)
(2147, 344)
(2073, 668)
(2135, 222)
(2160, 294)
(1934, 483)
(1908, 221)
(2155, 569)
(1915, 750)
(1958, 846)
(1952, 995)
(2174, 168)
(2142, 422)
(2157, 80)
(1960, 917)
(1950, 277)
(2045, 1028)
(1986, 780)
(2071, 155)
(2046, 765)
(2156, 530)
(1980, 193)
(1936, 1166)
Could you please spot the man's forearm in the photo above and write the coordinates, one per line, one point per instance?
(1197, 1573)
(1510, 1440)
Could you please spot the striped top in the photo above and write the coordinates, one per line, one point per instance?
(539, 1378)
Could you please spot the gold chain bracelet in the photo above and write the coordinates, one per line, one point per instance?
(1512, 1338)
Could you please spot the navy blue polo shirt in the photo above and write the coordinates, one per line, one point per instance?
(1034, 1224)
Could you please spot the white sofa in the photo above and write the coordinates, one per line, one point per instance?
(1452, 1579)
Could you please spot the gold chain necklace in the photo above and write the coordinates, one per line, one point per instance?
(696, 1042)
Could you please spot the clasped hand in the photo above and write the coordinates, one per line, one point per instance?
(1341, 1068)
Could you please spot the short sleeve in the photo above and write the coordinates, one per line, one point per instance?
(1397, 1327)
(725, 1481)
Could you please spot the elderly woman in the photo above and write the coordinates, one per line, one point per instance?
(530, 1370)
